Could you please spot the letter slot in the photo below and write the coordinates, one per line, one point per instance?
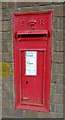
(43, 34)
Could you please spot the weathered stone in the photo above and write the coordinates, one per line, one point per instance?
(0, 26)
(46, 115)
(6, 15)
(52, 107)
(7, 36)
(57, 68)
(59, 99)
(58, 57)
(64, 77)
(58, 35)
(4, 5)
(59, 89)
(5, 103)
(7, 46)
(59, 115)
(0, 42)
(0, 15)
(57, 78)
(59, 108)
(58, 10)
(63, 22)
(58, 23)
(6, 26)
(7, 95)
(11, 5)
(30, 114)
(64, 9)
(53, 88)
(22, 4)
(58, 46)
(0, 5)
(52, 98)
(7, 57)
(0, 57)
(9, 78)
(6, 112)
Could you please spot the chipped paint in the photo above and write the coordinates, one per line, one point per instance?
(5, 69)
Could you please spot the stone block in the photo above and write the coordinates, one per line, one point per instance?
(27, 4)
(7, 46)
(6, 86)
(58, 23)
(4, 5)
(0, 57)
(63, 22)
(47, 115)
(58, 35)
(0, 26)
(58, 10)
(52, 107)
(58, 46)
(0, 45)
(7, 57)
(30, 114)
(63, 9)
(6, 26)
(59, 99)
(57, 68)
(0, 15)
(0, 5)
(52, 98)
(59, 89)
(7, 94)
(11, 5)
(53, 87)
(6, 112)
(6, 14)
(58, 57)
(9, 78)
(5, 103)
(7, 36)
(59, 115)
(59, 108)
(57, 78)
(56, 98)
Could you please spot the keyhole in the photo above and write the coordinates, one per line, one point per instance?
(26, 82)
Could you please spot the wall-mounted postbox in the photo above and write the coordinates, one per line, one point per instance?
(32, 60)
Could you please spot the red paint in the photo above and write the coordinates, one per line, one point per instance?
(32, 32)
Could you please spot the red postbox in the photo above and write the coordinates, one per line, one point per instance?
(32, 60)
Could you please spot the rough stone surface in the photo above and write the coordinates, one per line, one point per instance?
(58, 46)
(58, 57)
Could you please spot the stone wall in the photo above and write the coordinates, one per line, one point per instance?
(8, 95)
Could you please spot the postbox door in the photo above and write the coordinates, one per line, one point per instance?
(32, 69)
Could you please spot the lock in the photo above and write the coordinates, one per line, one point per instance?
(26, 82)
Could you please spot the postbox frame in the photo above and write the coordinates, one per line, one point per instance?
(18, 104)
